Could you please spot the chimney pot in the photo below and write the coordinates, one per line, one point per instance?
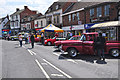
(17, 9)
(25, 7)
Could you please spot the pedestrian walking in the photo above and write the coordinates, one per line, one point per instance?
(32, 40)
(42, 38)
(99, 45)
(20, 39)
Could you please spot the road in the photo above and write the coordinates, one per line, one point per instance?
(46, 62)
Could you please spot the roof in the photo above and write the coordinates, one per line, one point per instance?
(18, 12)
(33, 17)
(40, 17)
(53, 6)
(80, 5)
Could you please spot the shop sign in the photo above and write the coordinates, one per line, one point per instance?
(5, 30)
(66, 28)
(88, 26)
(78, 27)
(79, 22)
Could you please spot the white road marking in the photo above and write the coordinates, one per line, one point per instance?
(23, 46)
(57, 69)
(44, 63)
(59, 75)
(70, 60)
(33, 52)
(56, 54)
(45, 73)
(30, 52)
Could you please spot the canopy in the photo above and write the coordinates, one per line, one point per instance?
(107, 24)
(51, 28)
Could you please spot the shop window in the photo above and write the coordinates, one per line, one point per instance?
(99, 12)
(91, 12)
(107, 10)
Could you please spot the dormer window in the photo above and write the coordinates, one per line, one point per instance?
(57, 7)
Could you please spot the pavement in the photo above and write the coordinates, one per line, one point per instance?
(46, 62)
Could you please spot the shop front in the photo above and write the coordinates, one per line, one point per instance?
(109, 29)
(75, 29)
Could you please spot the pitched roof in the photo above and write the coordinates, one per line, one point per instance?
(53, 6)
(40, 17)
(79, 5)
(18, 12)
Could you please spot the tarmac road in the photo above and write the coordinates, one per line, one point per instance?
(46, 62)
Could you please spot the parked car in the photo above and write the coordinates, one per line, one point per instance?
(15, 37)
(50, 42)
(85, 46)
(58, 43)
(38, 39)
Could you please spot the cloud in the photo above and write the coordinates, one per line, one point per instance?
(9, 6)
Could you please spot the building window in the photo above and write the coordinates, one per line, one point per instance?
(29, 19)
(41, 23)
(49, 10)
(54, 19)
(12, 18)
(107, 10)
(16, 17)
(37, 23)
(73, 17)
(57, 19)
(69, 17)
(91, 12)
(57, 7)
(78, 16)
(16, 23)
(99, 12)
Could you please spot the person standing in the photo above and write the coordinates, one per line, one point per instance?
(56, 34)
(42, 38)
(20, 39)
(99, 44)
(32, 40)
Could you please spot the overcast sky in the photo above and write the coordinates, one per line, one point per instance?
(9, 6)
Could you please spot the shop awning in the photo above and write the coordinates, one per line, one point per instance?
(107, 24)
(51, 28)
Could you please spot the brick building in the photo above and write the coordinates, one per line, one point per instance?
(83, 15)
(74, 17)
(27, 22)
(55, 11)
(16, 18)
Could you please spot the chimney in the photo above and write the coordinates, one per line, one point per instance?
(25, 7)
(17, 9)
